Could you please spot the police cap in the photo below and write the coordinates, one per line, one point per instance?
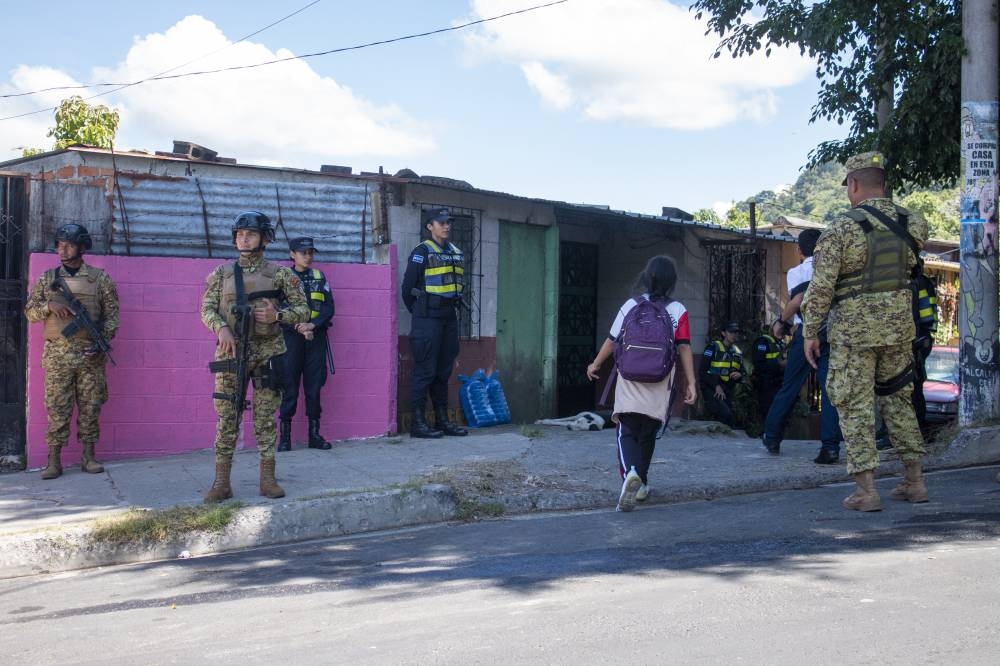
(301, 244)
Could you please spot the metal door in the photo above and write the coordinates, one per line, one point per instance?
(13, 269)
(577, 326)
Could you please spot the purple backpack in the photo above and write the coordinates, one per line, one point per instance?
(645, 349)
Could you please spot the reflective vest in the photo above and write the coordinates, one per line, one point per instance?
(84, 287)
(260, 280)
(770, 350)
(723, 361)
(925, 304)
(443, 271)
(886, 266)
(314, 285)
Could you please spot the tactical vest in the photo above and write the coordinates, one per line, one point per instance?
(84, 287)
(723, 361)
(260, 280)
(443, 271)
(886, 266)
(773, 351)
(314, 284)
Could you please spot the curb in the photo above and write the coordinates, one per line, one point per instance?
(71, 548)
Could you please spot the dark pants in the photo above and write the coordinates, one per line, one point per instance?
(920, 355)
(636, 443)
(765, 396)
(434, 346)
(796, 373)
(305, 363)
(720, 409)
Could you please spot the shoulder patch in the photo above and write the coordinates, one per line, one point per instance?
(417, 259)
(708, 352)
(295, 281)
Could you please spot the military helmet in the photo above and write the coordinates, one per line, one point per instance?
(74, 233)
(255, 221)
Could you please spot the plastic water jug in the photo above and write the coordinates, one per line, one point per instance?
(475, 402)
(498, 401)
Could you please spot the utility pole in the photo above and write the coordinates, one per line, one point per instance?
(978, 329)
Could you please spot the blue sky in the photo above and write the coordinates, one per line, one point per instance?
(614, 102)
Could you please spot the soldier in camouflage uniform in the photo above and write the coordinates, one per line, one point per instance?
(74, 369)
(252, 231)
(862, 280)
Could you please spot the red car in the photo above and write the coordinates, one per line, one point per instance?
(941, 388)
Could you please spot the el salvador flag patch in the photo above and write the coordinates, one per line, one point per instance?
(418, 258)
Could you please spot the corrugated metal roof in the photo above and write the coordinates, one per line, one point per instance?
(168, 216)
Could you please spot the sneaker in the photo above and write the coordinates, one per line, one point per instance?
(630, 486)
(774, 448)
(642, 493)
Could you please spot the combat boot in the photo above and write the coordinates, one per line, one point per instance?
(420, 428)
(221, 489)
(268, 484)
(87, 461)
(53, 470)
(316, 441)
(285, 435)
(442, 423)
(911, 488)
(865, 497)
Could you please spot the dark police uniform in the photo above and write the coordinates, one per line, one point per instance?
(432, 290)
(717, 365)
(767, 371)
(306, 360)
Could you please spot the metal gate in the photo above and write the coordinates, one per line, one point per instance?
(736, 287)
(577, 326)
(13, 269)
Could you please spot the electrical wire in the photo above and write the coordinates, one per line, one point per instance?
(164, 76)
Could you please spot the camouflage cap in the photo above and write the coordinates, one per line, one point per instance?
(870, 160)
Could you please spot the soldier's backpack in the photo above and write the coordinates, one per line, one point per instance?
(645, 349)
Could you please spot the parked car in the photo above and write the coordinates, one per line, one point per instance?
(941, 388)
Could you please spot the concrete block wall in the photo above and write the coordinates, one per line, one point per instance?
(160, 391)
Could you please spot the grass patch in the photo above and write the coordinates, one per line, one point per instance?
(143, 526)
(532, 432)
(468, 510)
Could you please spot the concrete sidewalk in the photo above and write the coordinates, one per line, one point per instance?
(391, 482)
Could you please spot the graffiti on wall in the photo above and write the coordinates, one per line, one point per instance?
(978, 298)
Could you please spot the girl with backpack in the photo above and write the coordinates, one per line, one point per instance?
(642, 402)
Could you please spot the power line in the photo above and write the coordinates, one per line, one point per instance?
(122, 86)
(164, 76)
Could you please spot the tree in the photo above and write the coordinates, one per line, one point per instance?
(862, 49)
(706, 216)
(79, 122)
(939, 208)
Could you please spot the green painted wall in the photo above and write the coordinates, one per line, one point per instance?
(525, 319)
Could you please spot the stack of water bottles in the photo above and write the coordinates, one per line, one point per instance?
(483, 399)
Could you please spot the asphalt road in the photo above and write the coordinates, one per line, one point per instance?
(775, 578)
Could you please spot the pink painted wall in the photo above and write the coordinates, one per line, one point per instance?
(160, 391)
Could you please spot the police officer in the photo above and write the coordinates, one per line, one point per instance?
(432, 292)
(861, 281)
(768, 370)
(308, 347)
(74, 368)
(266, 285)
(721, 368)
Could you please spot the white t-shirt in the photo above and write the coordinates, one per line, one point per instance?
(797, 275)
(650, 399)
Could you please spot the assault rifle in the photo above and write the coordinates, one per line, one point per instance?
(81, 319)
(239, 366)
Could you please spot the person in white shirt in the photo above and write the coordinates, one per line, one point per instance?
(797, 369)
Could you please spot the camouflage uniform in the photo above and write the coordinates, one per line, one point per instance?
(69, 375)
(870, 339)
(265, 342)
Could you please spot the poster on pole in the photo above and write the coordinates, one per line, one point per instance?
(979, 163)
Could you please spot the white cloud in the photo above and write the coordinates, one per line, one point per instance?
(278, 114)
(645, 61)
(722, 207)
